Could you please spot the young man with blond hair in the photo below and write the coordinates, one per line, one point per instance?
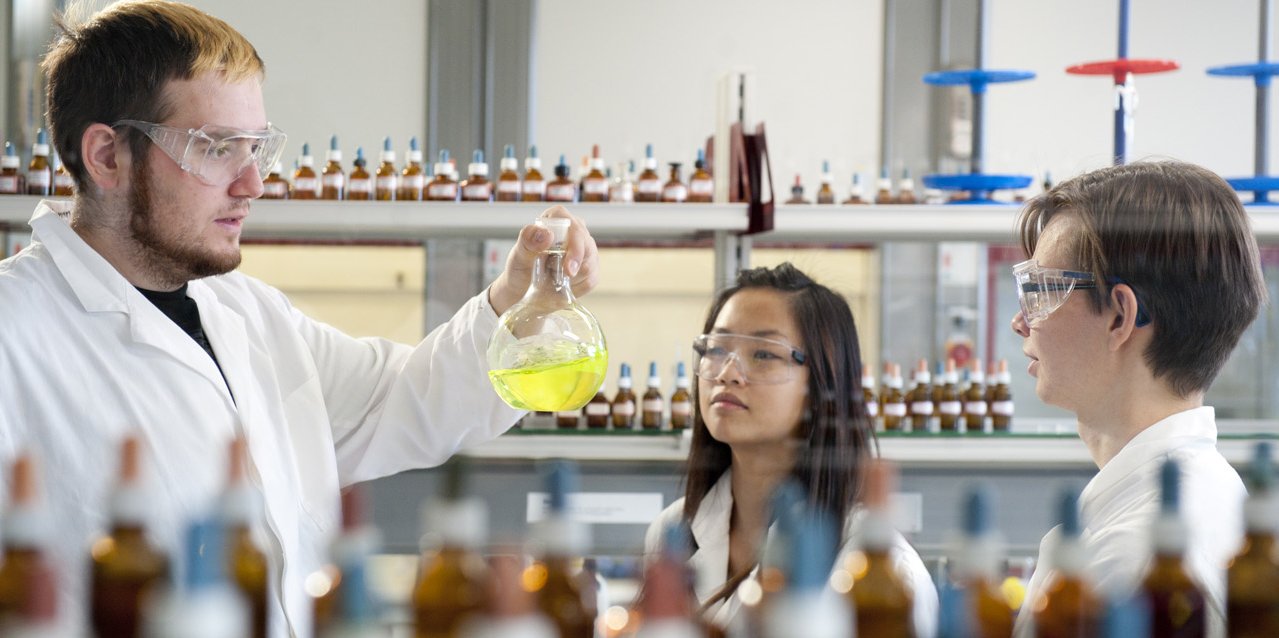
(126, 315)
(1140, 282)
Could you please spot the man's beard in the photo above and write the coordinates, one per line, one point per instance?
(166, 255)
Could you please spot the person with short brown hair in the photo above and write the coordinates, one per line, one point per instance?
(1139, 283)
(126, 315)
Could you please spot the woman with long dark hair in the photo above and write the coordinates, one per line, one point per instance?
(778, 397)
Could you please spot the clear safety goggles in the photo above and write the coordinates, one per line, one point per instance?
(216, 155)
(758, 360)
(1041, 290)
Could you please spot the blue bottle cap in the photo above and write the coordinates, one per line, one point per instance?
(680, 370)
(561, 482)
(444, 156)
(1261, 475)
(883, 172)
(825, 166)
(626, 369)
(701, 155)
(562, 161)
(41, 137)
(857, 179)
(333, 144)
(386, 143)
(509, 151)
(306, 149)
(1068, 512)
(413, 143)
(356, 601)
(477, 157)
(532, 151)
(359, 153)
(652, 368)
(630, 165)
(205, 555)
(812, 550)
(978, 510)
(648, 150)
(1169, 487)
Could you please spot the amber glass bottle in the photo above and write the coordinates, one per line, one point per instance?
(64, 184)
(413, 175)
(674, 191)
(1068, 607)
(976, 567)
(883, 600)
(387, 180)
(681, 400)
(855, 194)
(654, 405)
(701, 186)
(333, 178)
(797, 191)
(508, 181)
(891, 400)
(1001, 399)
(552, 579)
(443, 188)
(598, 411)
(648, 187)
(826, 192)
(451, 583)
(306, 184)
(275, 186)
(351, 550)
(40, 171)
(1252, 578)
(906, 188)
(25, 531)
(974, 399)
(595, 182)
(561, 189)
(125, 566)
(10, 179)
(477, 187)
(533, 187)
(624, 401)
(949, 407)
(884, 188)
(868, 394)
(1177, 604)
(919, 401)
(360, 185)
(247, 565)
(567, 419)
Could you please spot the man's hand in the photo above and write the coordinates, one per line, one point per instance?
(581, 261)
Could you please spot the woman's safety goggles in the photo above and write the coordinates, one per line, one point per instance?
(1043, 290)
(758, 360)
(216, 155)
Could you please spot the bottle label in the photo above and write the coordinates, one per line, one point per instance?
(387, 183)
(701, 187)
(9, 184)
(534, 187)
(442, 191)
(622, 193)
(361, 186)
(975, 407)
(277, 190)
(653, 405)
(625, 410)
(675, 193)
(333, 180)
(415, 182)
(595, 187)
(561, 192)
(681, 408)
(649, 186)
(478, 192)
(306, 184)
(894, 409)
(921, 407)
(597, 409)
(508, 187)
(63, 180)
(872, 409)
(1002, 408)
(950, 407)
(567, 416)
(39, 179)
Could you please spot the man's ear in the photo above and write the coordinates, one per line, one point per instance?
(105, 156)
(1123, 301)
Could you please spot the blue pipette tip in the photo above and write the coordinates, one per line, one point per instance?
(333, 143)
(413, 143)
(306, 149)
(977, 510)
(1169, 486)
(701, 155)
(386, 143)
(532, 151)
(680, 371)
(561, 482)
(509, 151)
(648, 150)
(652, 368)
(626, 370)
(1068, 512)
(41, 137)
(477, 157)
(359, 152)
(563, 162)
(444, 156)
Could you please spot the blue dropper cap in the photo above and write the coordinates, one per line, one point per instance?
(978, 510)
(561, 482)
(356, 602)
(1169, 487)
(41, 136)
(444, 156)
(630, 165)
(825, 166)
(359, 153)
(386, 143)
(857, 179)
(883, 172)
(1261, 476)
(333, 144)
(532, 151)
(648, 150)
(812, 550)
(509, 151)
(205, 555)
(1068, 512)
(413, 143)
(905, 173)
(306, 149)
(563, 162)
(941, 371)
(652, 368)
(701, 155)
(477, 157)
(626, 370)
(680, 370)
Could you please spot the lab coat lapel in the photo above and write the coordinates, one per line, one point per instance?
(710, 532)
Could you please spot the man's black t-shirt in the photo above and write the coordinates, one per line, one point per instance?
(182, 310)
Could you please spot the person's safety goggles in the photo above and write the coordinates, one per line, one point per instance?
(758, 360)
(216, 155)
(1041, 290)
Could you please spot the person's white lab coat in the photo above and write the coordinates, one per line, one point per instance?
(709, 562)
(85, 359)
(1119, 506)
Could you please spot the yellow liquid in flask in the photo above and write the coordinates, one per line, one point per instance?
(552, 387)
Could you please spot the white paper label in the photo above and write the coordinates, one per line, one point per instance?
(975, 407)
(894, 409)
(1002, 408)
(442, 191)
(534, 187)
(39, 179)
(872, 408)
(306, 184)
(9, 184)
(63, 180)
(650, 186)
(275, 189)
(478, 192)
(561, 193)
(701, 186)
(508, 186)
(361, 186)
(415, 182)
(653, 405)
(333, 180)
(921, 407)
(567, 416)
(675, 193)
(595, 186)
(597, 409)
(607, 508)
(387, 183)
(950, 407)
(681, 408)
(624, 409)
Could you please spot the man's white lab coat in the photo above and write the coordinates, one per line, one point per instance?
(710, 528)
(1119, 506)
(85, 359)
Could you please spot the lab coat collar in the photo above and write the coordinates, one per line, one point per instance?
(710, 530)
(1192, 428)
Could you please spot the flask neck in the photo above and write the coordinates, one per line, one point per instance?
(550, 282)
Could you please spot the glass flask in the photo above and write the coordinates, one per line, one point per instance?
(548, 352)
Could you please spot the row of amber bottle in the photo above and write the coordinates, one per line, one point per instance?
(594, 182)
(941, 404)
(41, 177)
(626, 410)
(884, 193)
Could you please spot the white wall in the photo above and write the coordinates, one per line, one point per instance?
(622, 74)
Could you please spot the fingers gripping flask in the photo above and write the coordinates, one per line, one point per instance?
(548, 352)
